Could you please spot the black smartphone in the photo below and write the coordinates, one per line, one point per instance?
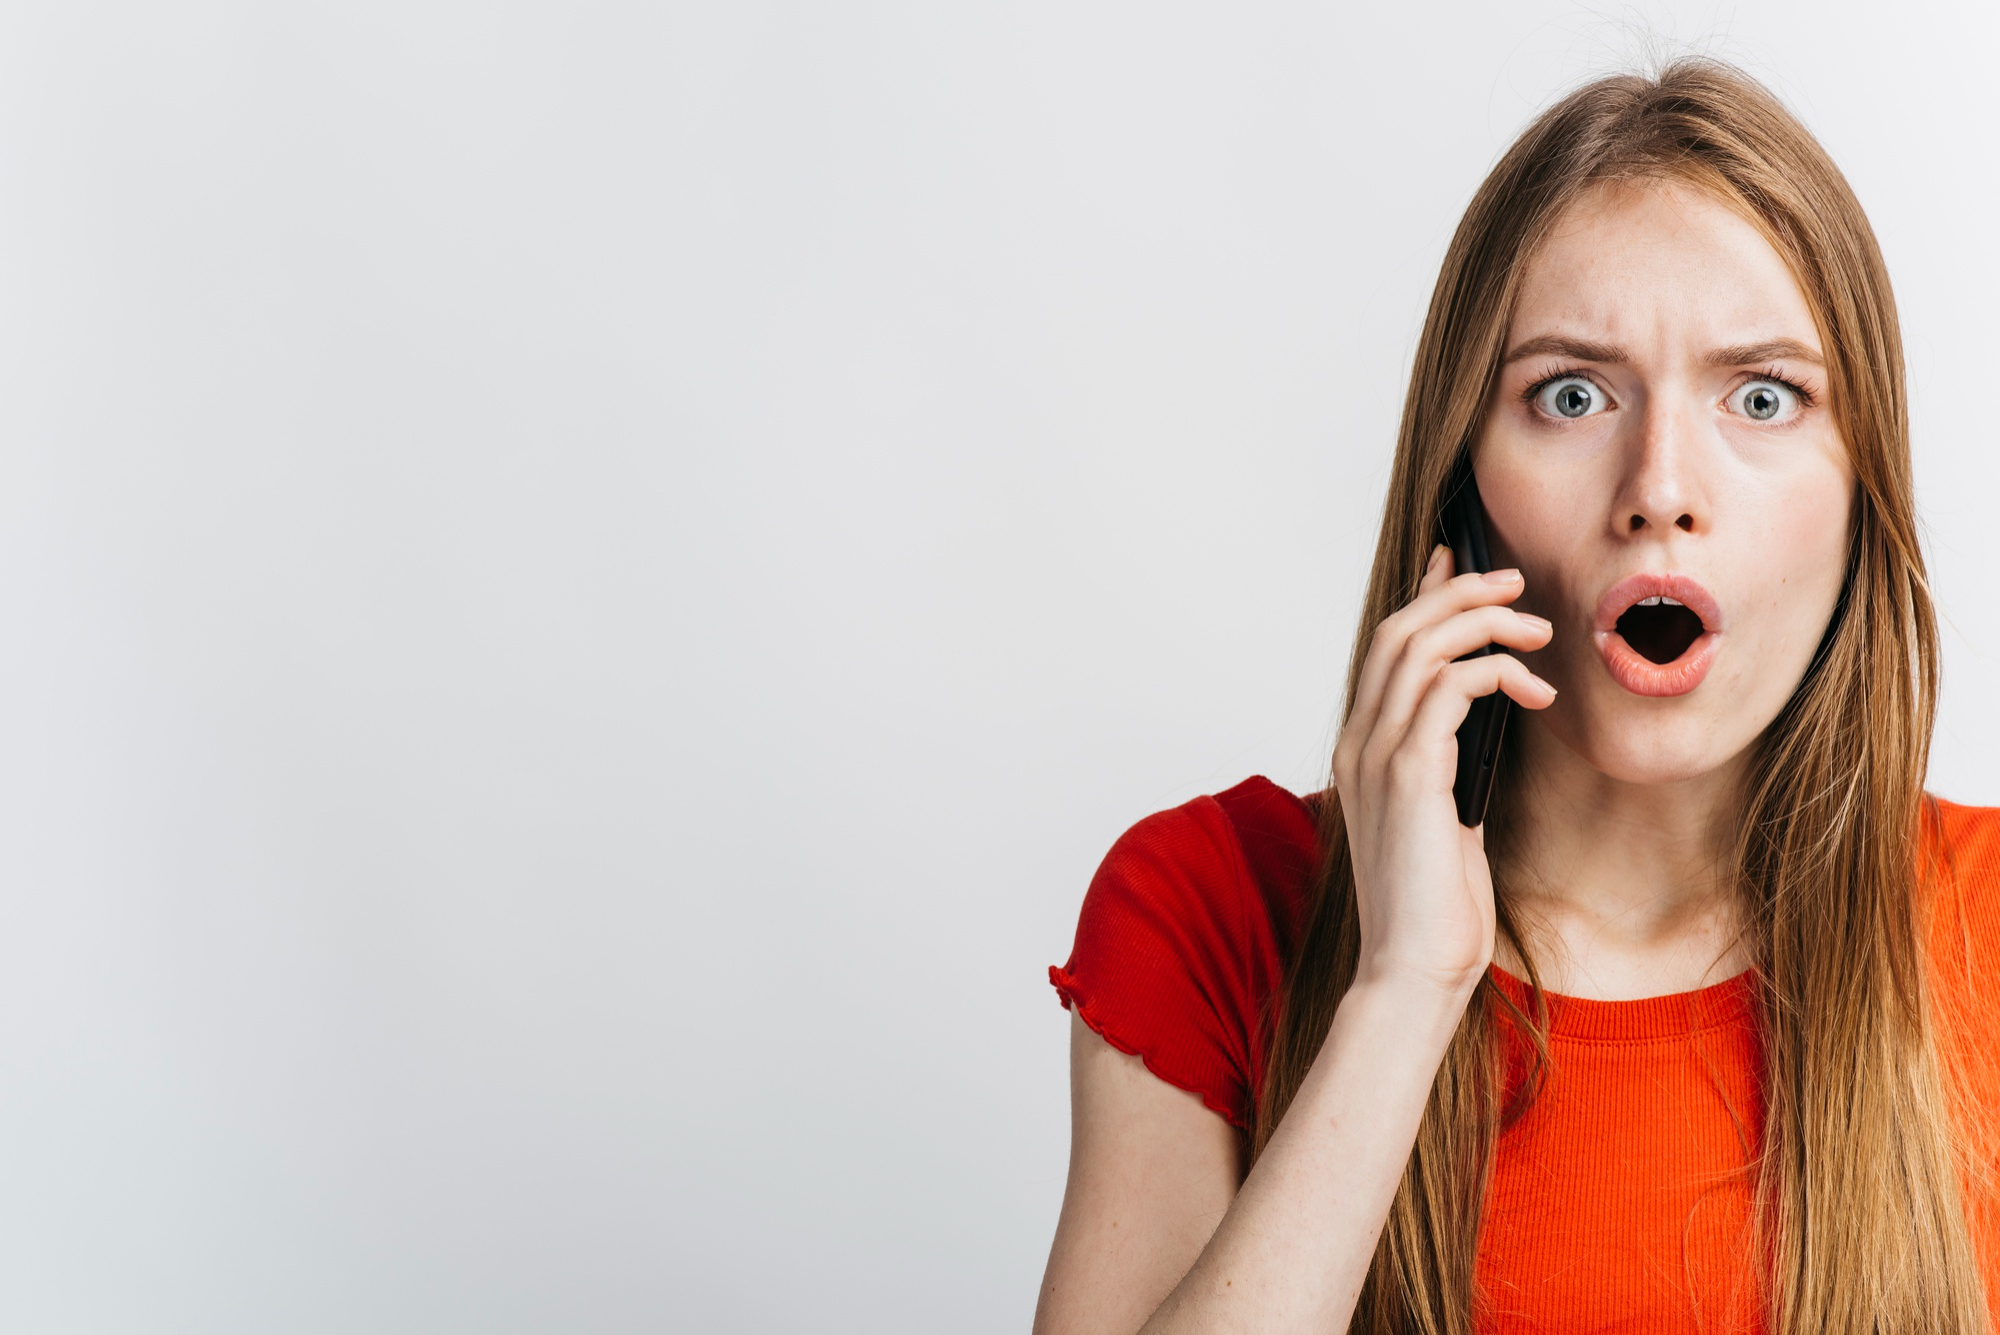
(1464, 523)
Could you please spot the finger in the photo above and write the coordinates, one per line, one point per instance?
(1438, 569)
(1432, 734)
(1444, 598)
(1428, 650)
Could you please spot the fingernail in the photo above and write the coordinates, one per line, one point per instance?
(1545, 686)
(1503, 576)
(1534, 620)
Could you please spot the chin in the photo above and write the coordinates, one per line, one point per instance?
(1650, 747)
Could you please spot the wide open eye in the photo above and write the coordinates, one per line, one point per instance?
(1572, 396)
(1765, 401)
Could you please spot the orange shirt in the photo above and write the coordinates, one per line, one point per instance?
(1620, 1200)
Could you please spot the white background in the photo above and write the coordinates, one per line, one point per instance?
(582, 587)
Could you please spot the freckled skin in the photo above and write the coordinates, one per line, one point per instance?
(1669, 474)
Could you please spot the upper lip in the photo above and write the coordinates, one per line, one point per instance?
(1683, 589)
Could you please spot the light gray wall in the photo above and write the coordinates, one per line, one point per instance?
(583, 585)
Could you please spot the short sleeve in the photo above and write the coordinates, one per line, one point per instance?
(1965, 997)
(1964, 845)
(1174, 956)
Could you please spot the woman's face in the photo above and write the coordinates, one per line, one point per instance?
(1661, 431)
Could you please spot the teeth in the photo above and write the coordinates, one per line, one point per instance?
(1657, 599)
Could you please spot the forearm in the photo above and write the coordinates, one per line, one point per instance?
(1296, 1243)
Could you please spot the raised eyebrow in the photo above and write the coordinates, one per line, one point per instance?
(1580, 349)
(1771, 350)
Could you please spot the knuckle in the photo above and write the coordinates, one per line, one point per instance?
(1473, 674)
(1471, 582)
(1479, 590)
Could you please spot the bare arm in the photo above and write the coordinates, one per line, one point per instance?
(1151, 1171)
(1153, 1224)
(1154, 1235)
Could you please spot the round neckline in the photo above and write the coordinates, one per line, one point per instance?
(1642, 1019)
(1733, 1001)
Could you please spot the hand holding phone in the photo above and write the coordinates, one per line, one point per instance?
(1419, 714)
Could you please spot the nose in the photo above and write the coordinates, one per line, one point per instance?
(1660, 489)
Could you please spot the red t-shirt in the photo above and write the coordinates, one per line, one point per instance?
(1621, 1200)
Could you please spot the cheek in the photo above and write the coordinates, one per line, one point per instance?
(1532, 524)
(1804, 557)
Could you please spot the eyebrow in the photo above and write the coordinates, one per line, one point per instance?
(1581, 349)
(1771, 350)
(1587, 350)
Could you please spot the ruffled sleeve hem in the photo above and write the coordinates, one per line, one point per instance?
(1066, 990)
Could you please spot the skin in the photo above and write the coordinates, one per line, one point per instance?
(1621, 851)
(1653, 296)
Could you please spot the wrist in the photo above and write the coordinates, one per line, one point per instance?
(1452, 975)
(1419, 1001)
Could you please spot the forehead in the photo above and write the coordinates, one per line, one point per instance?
(1634, 263)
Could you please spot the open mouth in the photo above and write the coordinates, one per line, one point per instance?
(1658, 633)
(1660, 628)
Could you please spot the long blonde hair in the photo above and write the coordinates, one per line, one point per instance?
(1859, 1213)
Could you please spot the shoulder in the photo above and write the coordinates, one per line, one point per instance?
(1967, 835)
(1961, 849)
(1960, 866)
(1248, 851)
(1183, 935)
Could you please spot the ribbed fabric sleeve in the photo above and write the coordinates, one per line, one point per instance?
(1965, 995)
(1179, 945)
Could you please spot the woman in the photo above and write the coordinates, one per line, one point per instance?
(1698, 1032)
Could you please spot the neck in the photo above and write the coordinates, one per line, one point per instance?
(1621, 890)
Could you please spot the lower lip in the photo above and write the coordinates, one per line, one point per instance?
(1642, 676)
